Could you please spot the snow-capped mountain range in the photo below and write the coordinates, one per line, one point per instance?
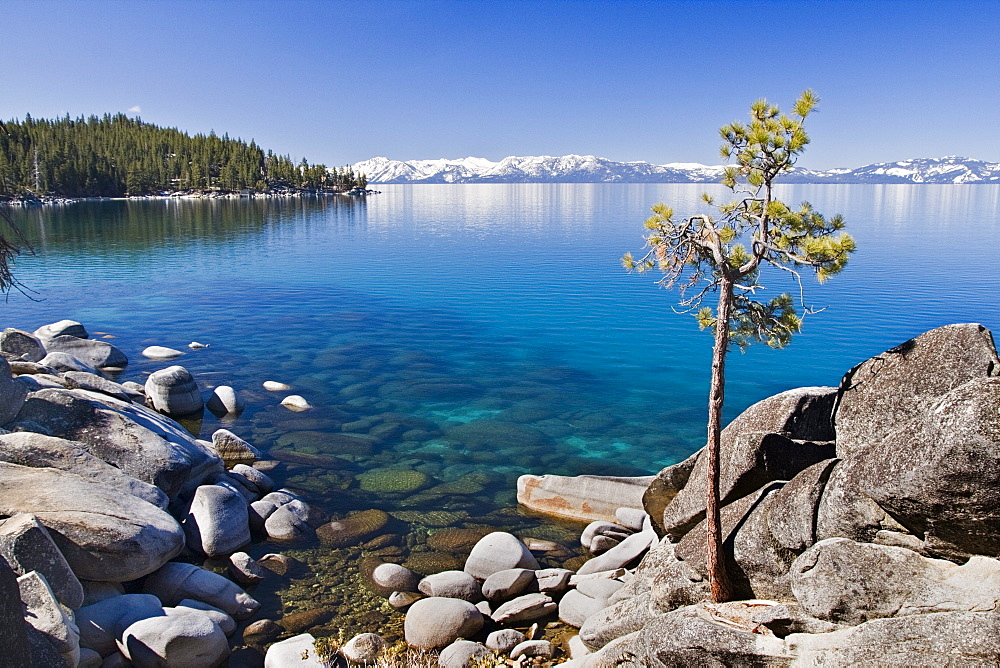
(591, 169)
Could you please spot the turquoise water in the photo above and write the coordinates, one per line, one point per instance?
(473, 333)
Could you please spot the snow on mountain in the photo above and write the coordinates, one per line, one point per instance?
(591, 169)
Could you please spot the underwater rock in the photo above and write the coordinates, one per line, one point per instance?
(352, 529)
(397, 481)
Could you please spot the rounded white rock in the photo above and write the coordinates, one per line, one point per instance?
(296, 403)
(275, 386)
(161, 353)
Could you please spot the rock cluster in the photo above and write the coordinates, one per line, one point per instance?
(101, 487)
(860, 525)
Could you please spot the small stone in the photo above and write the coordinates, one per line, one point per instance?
(461, 653)
(225, 401)
(275, 386)
(395, 577)
(261, 632)
(276, 563)
(508, 584)
(432, 623)
(451, 584)
(533, 648)
(296, 651)
(505, 640)
(496, 552)
(554, 580)
(403, 599)
(527, 608)
(363, 648)
(232, 449)
(260, 480)
(296, 403)
(245, 570)
(161, 353)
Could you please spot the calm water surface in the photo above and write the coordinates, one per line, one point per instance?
(453, 337)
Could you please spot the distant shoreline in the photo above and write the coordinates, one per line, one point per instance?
(50, 200)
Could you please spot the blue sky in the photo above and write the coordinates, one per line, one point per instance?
(340, 82)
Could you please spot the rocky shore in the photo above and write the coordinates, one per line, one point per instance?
(861, 526)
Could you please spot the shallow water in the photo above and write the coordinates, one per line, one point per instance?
(453, 337)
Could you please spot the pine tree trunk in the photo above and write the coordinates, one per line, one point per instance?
(721, 587)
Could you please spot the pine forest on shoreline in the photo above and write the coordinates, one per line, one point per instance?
(117, 156)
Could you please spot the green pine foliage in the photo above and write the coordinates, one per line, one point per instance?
(701, 254)
(114, 156)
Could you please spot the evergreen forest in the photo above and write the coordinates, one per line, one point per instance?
(116, 156)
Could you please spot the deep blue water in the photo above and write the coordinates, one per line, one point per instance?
(472, 333)
(514, 288)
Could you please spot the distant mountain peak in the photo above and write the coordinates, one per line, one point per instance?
(575, 168)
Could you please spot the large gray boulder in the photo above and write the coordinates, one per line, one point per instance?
(665, 486)
(688, 637)
(45, 615)
(36, 450)
(13, 632)
(79, 380)
(615, 621)
(175, 640)
(104, 534)
(61, 328)
(881, 394)
(843, 581)
(772, 440)
(137, 440)
(99, 354)
(498, 551)
(935, 639)
(691, 548)
(433, 623)
(218, 521)
(18, 344)
(59, 361)
(103, 624)
(939, 474)
(12, 393)
(27, 546)
(173, 391)
(177, 581)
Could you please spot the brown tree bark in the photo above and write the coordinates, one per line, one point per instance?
(721, 587)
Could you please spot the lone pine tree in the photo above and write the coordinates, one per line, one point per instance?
(725, 253)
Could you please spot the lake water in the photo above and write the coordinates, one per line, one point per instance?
(453, 337)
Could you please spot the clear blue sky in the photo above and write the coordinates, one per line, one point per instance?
(340, 82)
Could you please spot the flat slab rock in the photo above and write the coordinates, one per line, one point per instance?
(583, 497)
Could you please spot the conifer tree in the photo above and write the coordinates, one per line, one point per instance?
(724, 254)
